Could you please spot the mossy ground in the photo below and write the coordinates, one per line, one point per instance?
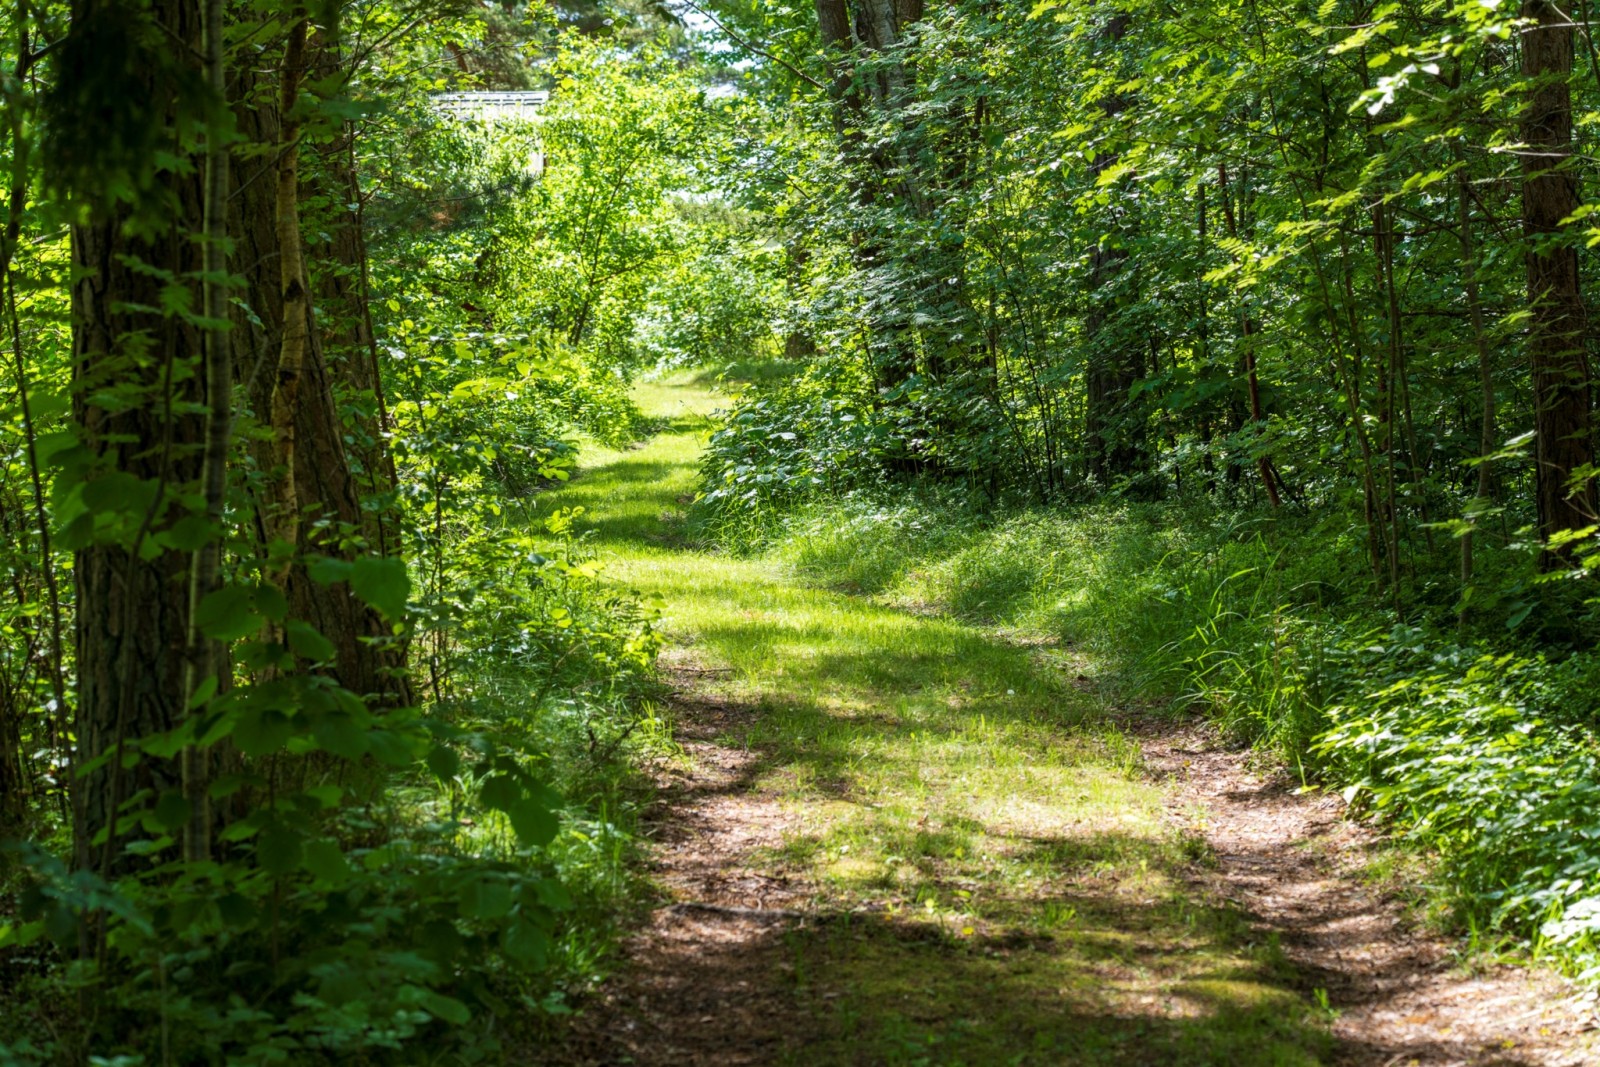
(1002, 882)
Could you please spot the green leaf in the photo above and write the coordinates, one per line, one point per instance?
(172, 810)
(440, 939)
(382, 581)
(117, 492)
(271, 602)
(228, 614)
(340, 734)
(261, 732)
(324, 860)
(307, 642)
(326, 795)
(534, 821)
(448, 1009)
(190, 533)
(444, 761)
(484, 898)
(279, 849)
(326, 570)
(526, 944)
(76, 533)
(12, 936)
(392, 747)
(499, 792)
(236, 911)
(553, 894)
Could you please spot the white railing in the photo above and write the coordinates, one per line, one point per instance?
(515, 106)
(497, 107)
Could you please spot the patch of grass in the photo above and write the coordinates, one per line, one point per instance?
(885, 991)
(1007, 887)
(748, 372)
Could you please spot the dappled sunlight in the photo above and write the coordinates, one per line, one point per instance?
(952, 788)
(1079, 993)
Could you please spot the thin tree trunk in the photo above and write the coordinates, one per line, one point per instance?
(285, 526)
(1384, 237)
(1248, 330)
(208, 656)
(1480, 338)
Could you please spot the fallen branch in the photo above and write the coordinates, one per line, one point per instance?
(741, 913)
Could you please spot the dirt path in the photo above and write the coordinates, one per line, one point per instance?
(710, 979)
(702, 981)
(894, 838)
(1293, 862)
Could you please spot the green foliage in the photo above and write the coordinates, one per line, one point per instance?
(1220, 254)
(780, 447)
(1248, 260)
(581, 246)
(387, 881)
(333, 919)
(713, 309)
(106, 138)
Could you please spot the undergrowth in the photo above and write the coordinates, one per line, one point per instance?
(424, 891)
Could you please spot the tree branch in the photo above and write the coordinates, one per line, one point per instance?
(749, 46)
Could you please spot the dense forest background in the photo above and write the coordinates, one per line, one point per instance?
(1244, 344)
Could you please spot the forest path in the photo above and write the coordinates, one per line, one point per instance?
(893, 838)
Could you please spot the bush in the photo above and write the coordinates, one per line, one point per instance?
(780, 449)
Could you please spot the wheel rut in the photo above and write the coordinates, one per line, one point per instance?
(700, 981)
(1399, 995)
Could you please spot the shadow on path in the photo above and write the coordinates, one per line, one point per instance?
(898, 839)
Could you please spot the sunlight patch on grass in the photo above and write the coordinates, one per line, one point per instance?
(1020, 881)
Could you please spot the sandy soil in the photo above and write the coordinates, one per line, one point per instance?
(701, 982)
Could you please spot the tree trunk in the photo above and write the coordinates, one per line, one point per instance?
(1564, 434)
(1486, 391)
(134, 391)
(208, 657)
(1114, 363)
(340, 283)
(327, 487)
(284, 521)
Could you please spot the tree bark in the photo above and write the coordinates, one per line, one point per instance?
(294, 301)
(207, 656)
(1564, 433)
(329, 490)
(133, 394)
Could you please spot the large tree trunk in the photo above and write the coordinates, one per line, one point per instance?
(135, 386)
(1564, 433)
(328, 489)
(341, 287)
